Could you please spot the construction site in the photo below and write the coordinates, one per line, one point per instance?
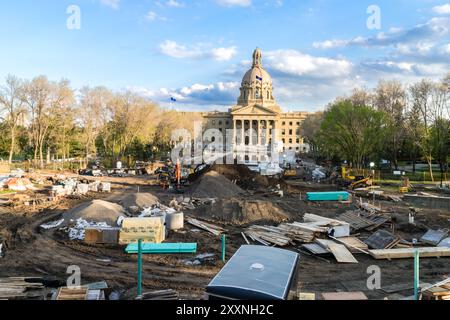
(160, 234)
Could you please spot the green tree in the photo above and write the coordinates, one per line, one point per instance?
(352, 133)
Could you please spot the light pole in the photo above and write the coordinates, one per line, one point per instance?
(372, 166)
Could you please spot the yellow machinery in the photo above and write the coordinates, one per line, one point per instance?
(352, 181)
(289, 172)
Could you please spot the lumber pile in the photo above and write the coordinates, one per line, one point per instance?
(14, 288)
(290, 233)
(369, 207)
(72, 294)
(302, 232)
(159, 295)
(438, 291)
(268, 235)
(404, 253)
(215, 230)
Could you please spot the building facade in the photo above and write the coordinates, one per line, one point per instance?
(257, 119)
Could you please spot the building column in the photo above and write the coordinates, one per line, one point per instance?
(259, 132)
(234, 133)
(242, 132)
(250, 134)
(267, 131)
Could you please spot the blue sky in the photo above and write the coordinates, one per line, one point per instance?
(199, 50)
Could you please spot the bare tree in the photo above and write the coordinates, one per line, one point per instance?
(13, 106)
(390, 98)
(94, 114)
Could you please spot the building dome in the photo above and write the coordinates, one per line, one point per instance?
(256, 87)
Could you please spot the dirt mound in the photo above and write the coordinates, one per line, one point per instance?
(141, 200)
(240, 212)
(246, 178)
(215, 185)
(95, 211)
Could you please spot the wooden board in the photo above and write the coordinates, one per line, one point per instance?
(72, 294)
(409, 253)
(339, 251)
(347, 296)
(353, 243)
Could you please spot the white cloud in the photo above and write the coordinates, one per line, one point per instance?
(174, 4)
(295, 63)
(444, 9)
(223, 54)
(153, 16)
(234, 3)
(198, 51)
(433, 29)
(111, 3)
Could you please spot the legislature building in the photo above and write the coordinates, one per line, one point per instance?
(259, 115)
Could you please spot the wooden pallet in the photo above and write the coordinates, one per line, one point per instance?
(72, 294)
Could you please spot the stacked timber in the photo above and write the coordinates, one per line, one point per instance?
(438, 291)
(159, 295)
(268, 235)
(302, 232)
(14, 288)
(215, 230)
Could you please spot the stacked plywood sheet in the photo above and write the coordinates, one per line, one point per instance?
(149, 230)
(20, 288)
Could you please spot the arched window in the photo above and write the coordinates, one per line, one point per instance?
(257, 94)
(268, 95)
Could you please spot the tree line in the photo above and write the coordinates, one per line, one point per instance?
(43, 120)
(392, 122)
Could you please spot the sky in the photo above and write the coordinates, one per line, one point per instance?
(198, 51)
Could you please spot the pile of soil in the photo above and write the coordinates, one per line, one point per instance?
(95, 211)
(140, 200)
(241, 212)
(215, 185)
(245, 178)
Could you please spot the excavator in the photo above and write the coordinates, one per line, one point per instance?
(290, 172)
(353, 182)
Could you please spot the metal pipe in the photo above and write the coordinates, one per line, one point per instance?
(139, 267)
